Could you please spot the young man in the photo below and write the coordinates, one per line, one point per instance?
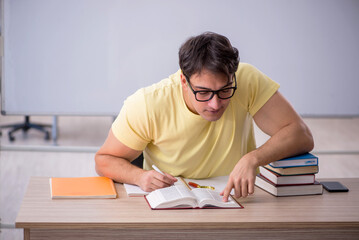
(198, 123)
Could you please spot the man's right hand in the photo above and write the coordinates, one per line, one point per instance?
(113, 161)
(152, 180)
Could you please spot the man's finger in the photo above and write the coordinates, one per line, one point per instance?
(227, 190)
(164, 180)
(237, 190)
(250, 188)
(159, 180)
(156, 183)
(171, 178)
(168, 179)
(244, 189)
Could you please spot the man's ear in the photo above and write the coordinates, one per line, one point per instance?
(183, 81)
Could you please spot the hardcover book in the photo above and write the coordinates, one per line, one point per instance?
(294, 170)
(306, 159)
(277, 179)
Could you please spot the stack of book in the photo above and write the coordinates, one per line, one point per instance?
(290, 176)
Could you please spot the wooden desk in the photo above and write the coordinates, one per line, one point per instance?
(327, 216)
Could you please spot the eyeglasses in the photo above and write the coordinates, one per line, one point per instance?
(206, 95)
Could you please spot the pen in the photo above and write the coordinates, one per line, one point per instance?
(157, 169)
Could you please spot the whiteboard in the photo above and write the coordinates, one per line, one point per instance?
(84, 57)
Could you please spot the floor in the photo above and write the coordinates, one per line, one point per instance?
(336, 145)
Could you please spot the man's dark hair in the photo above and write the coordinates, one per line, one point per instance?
(210, 51)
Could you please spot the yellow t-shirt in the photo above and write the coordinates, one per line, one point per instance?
(156, 120)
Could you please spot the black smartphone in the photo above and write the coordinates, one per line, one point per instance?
(334, 187)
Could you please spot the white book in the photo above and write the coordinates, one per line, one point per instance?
(134, 191)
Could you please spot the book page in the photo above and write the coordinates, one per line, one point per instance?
(206, 194)
(172, 197)
(207, 197)
(175, 192)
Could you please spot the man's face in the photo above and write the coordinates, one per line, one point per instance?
(213, 109)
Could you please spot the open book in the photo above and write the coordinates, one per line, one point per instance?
(181, 196)
(219, 183)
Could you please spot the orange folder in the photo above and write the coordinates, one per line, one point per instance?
(82, 187)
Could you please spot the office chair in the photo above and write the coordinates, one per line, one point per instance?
(138, 161)
(25, 126)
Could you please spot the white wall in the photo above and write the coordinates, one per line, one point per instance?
(84, 57)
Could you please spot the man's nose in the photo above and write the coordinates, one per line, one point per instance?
(215, 102)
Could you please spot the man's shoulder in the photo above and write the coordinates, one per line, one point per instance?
(249, 75)
(254, 87)
(157, 92)
(246, 68)
(164, 86)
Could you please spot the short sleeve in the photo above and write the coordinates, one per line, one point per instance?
(254, 87)
(131, 127)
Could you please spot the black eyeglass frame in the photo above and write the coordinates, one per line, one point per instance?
(213, 91)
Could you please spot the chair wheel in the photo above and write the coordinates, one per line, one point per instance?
(11, 138)
(47, 136)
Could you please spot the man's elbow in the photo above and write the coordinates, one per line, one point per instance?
(99, 164)
(310, 144)
(307, 139)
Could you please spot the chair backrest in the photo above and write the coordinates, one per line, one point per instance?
(138, 161)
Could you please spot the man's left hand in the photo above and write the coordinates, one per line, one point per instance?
(241, 178)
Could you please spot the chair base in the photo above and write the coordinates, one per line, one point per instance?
(25, 126)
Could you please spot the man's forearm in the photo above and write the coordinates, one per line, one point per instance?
(292, 139)
(121, 170)
(118, 169)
